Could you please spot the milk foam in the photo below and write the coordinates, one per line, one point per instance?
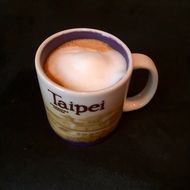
(85, 69)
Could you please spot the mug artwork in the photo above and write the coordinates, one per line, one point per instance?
(84, 75)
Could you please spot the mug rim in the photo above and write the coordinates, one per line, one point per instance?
(113, 87)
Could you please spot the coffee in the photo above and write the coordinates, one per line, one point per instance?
(85, 65)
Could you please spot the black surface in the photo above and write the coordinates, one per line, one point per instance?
(151, 148)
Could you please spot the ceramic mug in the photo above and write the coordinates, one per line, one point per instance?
(87, 117)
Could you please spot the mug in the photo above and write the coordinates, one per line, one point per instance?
(88, 117)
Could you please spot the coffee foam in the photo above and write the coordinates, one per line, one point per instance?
(85, 68)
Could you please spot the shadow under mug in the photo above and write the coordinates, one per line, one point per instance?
(88, 117)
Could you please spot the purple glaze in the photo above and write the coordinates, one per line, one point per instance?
(83, 35)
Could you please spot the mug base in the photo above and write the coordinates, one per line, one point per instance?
(81, 143)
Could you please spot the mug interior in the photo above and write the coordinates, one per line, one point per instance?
(59, 38)
(54, 43)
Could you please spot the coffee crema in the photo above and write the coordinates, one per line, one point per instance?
(85, 65)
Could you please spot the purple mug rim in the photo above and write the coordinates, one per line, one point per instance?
(104, 35)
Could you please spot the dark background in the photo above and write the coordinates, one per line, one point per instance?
(151, 147)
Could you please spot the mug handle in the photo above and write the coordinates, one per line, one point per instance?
(141, 61)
